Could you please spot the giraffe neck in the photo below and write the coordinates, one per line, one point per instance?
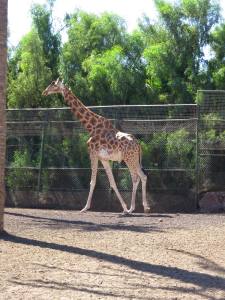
(88, 119)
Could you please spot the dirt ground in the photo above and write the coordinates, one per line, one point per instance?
(49, 254)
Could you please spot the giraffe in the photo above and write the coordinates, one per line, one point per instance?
(106, 143)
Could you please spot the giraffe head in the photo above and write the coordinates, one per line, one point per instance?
(54, 88)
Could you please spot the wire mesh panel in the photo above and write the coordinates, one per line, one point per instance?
(211, 140)
(47, 153)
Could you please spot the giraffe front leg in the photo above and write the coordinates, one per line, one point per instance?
(112, 182)
(94, 169)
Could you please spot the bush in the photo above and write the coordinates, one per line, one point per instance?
(20, 175)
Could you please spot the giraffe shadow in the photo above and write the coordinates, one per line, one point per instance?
(85, 225)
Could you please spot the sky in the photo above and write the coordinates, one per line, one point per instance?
(129, 10)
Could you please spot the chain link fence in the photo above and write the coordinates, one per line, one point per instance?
(211, 141)
(183, 145)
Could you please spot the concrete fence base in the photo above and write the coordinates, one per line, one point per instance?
(102, 201)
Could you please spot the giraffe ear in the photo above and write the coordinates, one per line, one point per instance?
(57, 81)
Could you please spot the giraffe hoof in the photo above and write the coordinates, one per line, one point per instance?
(130, 211)
(83, 210)
(147, 210)
(125, 212)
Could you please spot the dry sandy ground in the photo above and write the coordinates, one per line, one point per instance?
(64, 255)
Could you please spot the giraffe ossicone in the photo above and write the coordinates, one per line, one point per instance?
(106, 143)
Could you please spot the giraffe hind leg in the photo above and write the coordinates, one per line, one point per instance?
(135, 181)
(144, 182)
(135, 168)
(132, 164)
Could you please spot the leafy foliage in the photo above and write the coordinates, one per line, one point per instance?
(160, 62)
(16, 177)
(175, 52)
(34, 62)
(44, 25)
(25, 88)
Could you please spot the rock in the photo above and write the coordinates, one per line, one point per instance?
(212, 202)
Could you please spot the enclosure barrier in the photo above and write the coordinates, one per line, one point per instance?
(183, 149)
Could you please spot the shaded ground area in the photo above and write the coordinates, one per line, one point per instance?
(49, 254)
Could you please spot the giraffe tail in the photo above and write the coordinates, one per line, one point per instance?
(140, 160)
(144, 171)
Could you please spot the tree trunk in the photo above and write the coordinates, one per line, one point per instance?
(3, 66)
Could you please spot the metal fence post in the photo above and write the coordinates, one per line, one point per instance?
(42, 150)
(197, 162)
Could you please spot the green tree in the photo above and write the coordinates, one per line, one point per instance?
(43, 23)
(176, 67)
(25, 88)
(108, 76)
(35, 61)
(88, 37)
(102, 62)
(217, 62)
